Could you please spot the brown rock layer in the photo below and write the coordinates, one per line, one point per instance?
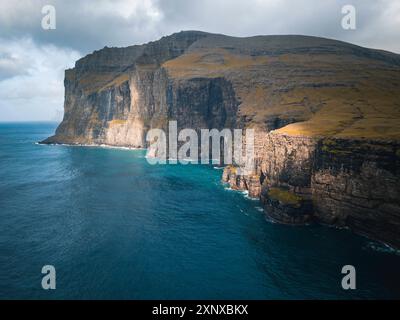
(341, 182)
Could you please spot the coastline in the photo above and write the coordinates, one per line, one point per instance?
(89, 145)
(378, 245)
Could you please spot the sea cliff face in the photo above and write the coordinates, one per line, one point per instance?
(326, 116)
(341, 182)
(114, 95)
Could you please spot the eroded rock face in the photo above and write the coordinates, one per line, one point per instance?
(326, 116)
(115, 95)
(357, 184)
(341, 182)
(286, 167)
(282, 177)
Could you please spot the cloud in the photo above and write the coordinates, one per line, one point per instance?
(33, 84)
(378, 21)
(11, 65)
(84, 26)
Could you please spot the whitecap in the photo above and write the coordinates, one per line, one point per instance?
(382, 247)
(108, 146)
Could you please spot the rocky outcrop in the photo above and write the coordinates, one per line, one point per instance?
(355, 184)
(282, 178)
(340, 182)
(286, 167)
(326, 116)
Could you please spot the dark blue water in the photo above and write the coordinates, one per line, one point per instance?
(116, 227)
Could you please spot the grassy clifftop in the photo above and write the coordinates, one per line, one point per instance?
(302, 85)
(295, 85)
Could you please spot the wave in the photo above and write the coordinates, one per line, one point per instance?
(108, 146)
(382, 247)
(250, 198)
(245, 193)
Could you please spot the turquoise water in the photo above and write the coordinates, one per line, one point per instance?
(115, 226)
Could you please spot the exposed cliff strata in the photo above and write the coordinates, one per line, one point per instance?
(326, 114)
(282, 179)
(341, 182)
(357, 184)
(115, 95)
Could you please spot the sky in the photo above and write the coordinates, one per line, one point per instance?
(33, 60)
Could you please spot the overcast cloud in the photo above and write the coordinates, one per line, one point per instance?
(32, 60)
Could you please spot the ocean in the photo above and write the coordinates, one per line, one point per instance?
(116, 227)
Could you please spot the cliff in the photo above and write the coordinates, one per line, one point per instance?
(326, 115)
